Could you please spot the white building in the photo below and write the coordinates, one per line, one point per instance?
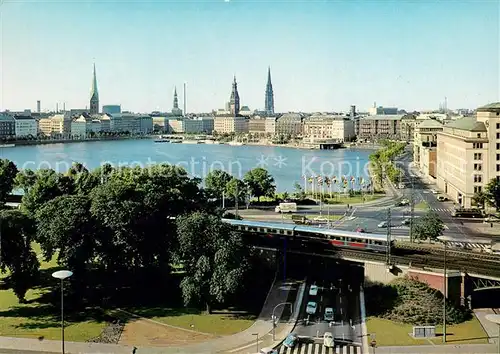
(79, 127)
(230, 124)
(25, 126)
(328, 127)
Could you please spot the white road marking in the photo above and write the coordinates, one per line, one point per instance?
(244, 347)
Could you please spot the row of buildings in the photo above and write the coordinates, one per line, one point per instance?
(463, 155)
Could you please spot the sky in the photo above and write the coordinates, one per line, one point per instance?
(324, 55)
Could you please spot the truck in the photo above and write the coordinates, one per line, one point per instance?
(286, 208)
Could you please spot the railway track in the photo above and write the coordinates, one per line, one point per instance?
(449, 252)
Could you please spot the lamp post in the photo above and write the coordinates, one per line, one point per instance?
(444, 240)
(495, 319)
(257, 342)
(274, 317)
(62, 274)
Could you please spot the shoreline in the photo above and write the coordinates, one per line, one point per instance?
(16, 143)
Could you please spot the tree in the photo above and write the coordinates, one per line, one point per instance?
(216, 270)
(66, 225)
(16, 254)
(260, 183)
(84, 181)
(25, 179)
(480, 199)
(299, 193)
(8, 172)
(236, 187)
(216, 182)
(428, 227)
(493, 193)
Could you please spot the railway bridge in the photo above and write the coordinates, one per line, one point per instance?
(472, 277)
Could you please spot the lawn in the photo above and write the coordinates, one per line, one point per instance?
(357, 199)
(218, 323)
(389, 333)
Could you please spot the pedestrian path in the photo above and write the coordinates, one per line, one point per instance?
(315, 348)
(443, 210)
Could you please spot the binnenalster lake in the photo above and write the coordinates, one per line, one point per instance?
(286, 165)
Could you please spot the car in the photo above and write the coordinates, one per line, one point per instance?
(328, 341)
(329, 314)
(267, 351)
(382, 224)
(492, 218)
(402, 202)
(311, 308)
(433, 191)
(313, 290)
(360, 230)
(290, 340)
(406, 222)
(442, 198)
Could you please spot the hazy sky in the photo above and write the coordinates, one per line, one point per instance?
(324, 55)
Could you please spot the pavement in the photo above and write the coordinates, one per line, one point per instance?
(445, 349)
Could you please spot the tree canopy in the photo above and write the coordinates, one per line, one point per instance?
(260, 182)
(428, 227)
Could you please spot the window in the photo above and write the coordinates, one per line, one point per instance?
(478, 135)
(478, 178)
(478, 189)
(498, 168)
(498, 135)
(498, 146)
(498, 157)
(478, 145)
(498, 125)
(477, 167)
(478, 156)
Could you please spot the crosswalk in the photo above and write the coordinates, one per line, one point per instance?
(443, 210)
(315, 348)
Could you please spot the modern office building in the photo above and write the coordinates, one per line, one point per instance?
(111, 109)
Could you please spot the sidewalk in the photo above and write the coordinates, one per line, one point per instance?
(489, 327)
(262, 326)
(446, 349)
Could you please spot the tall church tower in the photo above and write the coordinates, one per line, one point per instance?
(269, 104)
(234, 100)
(94, 96)
(176, 100)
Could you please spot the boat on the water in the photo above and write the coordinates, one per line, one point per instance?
(162, 141)
(7, 145)
(176, 141)
(235, 143)
(191, 141)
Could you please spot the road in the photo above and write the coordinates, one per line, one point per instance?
(339, 285)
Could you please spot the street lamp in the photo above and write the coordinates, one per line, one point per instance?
(257, 342)
(444, 240)
(495, 319)
(62, 274)
(274, 317)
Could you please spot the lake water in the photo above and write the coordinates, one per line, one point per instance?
(286, 165)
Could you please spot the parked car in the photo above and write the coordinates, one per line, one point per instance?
(291, 340)
(402, 202)
(383, 224)
(433, 191)
(329, 314)
(442, 198)
(311, 308)
(328, 341)
(267, 351)
(313, 290)
(492, 218)
(406, 222)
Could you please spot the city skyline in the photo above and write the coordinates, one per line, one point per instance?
(340, 54)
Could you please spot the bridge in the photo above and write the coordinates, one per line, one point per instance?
(383, 260)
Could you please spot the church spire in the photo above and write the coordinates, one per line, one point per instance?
(269, 99)
(234, 101)
(94, 95)
(176, 100)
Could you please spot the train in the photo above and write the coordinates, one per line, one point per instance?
(335, 238)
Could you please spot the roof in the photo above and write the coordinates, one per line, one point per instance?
(23, 117)
(383, 117)
(430, 123)
(491, 107)
(325, 117)
(468, 124)
(291, 116)
(7, 117)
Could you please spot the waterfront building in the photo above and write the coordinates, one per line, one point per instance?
(269, 99)
(25, 126)
(257, 125)
(424, 146)
(143, 124)
(105, 122)
(175, 125)
(161, 124)
(328, 128)
(468, 154)
(79, 127)
(7, 125)
(207, 124)
(379, 127)
(289, 124)
(111, 109)
(230, 124)
(94, 95)
(270, 127)
(408, 124)
(53, 125)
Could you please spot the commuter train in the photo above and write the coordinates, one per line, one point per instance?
(336, 238)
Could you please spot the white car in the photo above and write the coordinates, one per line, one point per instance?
(383, 224)
(313, 290)
(433, 191)
(329, 314)
(328, 341)
(268, 351)
(311, 308)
